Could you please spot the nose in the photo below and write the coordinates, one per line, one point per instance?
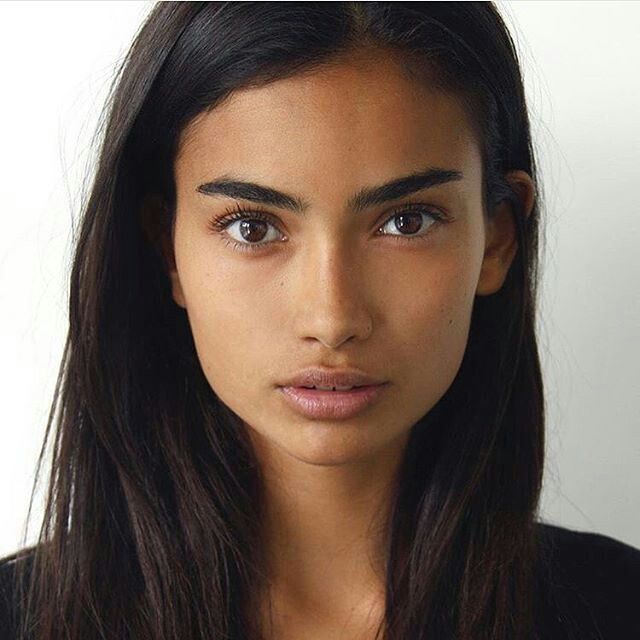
(332, 297)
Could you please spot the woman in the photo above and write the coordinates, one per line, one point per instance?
(295, 195)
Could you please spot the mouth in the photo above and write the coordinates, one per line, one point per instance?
(332, 402)
(339, 389)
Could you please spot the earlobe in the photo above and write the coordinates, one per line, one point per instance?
(153, 219)
(501, 239)
(176, 289)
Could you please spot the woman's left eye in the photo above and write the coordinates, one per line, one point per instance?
(407, 221)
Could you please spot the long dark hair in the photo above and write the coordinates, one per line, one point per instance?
(154, 497)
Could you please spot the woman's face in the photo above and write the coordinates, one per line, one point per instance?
(335, 286)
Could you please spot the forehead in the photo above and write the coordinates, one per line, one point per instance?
(360, 119)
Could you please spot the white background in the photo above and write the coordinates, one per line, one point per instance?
(581, 63)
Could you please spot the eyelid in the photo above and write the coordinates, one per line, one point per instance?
(240, 210)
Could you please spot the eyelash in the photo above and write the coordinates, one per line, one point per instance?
(239, 212)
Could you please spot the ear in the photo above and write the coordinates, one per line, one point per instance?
(501, 242)
(153, 219)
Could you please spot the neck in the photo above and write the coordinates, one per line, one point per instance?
(325, 531)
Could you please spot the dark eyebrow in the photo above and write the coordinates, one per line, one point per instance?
(232, 187)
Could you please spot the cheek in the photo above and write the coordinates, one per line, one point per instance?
(433, 330)
(228, 314)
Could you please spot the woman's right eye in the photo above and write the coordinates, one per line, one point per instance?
(250, 228)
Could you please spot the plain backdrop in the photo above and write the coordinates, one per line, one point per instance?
(580, 62)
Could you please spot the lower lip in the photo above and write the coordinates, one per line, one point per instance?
(332, 405)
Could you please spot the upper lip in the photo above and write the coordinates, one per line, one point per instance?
(318, 376)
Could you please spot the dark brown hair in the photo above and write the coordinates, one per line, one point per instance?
(151, 526)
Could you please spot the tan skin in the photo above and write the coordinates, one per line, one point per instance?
(333, 289)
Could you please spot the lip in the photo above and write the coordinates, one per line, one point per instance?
(324, 377)
(331, 405)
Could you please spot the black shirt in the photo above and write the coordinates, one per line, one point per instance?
(589, 588)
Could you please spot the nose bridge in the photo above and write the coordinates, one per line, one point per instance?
(333, 299)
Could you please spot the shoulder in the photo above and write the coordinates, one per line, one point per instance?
(592, 581)
(12, 568)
